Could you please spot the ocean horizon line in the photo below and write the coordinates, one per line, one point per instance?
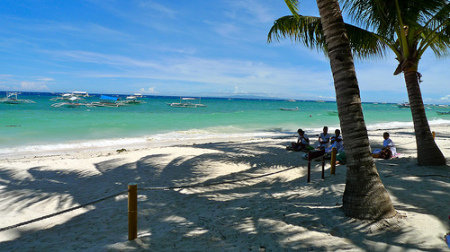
(237, 97)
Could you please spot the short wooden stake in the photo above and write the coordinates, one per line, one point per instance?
(434, 134)
(309, 166)
(323, 167)
(333, 160)
(132, 211)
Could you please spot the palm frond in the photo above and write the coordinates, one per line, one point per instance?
(366, 44)
(293, 7)
(308, 31)
(304, 29)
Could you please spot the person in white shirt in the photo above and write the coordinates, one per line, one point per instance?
(389, 144)
(324, 139)
(302, 141)
(336, 141)
(389, 150)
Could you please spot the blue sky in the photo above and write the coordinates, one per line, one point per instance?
(182, 48)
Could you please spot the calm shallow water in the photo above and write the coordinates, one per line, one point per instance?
(41, 127)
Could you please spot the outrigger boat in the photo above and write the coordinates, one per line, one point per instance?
(133, 99)
(403, 105)
(108, 101)
(186, 103)
(11, 98)
(72, 102)
(80, 93)
(64, 97)
(67, 96)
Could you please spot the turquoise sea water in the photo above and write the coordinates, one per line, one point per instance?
(40, 127)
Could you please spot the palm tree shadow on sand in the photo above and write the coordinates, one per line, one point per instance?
(272, 213)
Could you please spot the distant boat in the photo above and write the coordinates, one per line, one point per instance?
(132, 99)
(320, 101)
(72, 102)
(332, 112)
(403, 105)
(443, 112)
(186, 103)
(11, 98)
(289, 109)
(80, 93)
(108, 101)
(68, 96)
(292, 100)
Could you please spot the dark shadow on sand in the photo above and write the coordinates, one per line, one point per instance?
(217, 218)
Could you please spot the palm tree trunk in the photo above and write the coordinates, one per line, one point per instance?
(428, 153)
(365, 196)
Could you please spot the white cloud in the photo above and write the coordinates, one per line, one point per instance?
(150, 90)
(32, 86)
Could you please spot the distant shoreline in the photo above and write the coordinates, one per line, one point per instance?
(149, 142)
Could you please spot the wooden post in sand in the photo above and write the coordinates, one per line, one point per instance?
(333, 160)
(132, 211)
(434, 134)
(323, 166)
(309, 167)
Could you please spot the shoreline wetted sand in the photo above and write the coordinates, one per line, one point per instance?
(275, 211)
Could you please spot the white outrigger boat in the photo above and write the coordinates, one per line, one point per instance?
(186, 103)
(80, 93)
(403, 105)
(68, 96)
(11, 98)
(72, 102)
(133, 99)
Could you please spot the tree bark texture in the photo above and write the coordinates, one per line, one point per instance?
(428, 153)
(365, 196)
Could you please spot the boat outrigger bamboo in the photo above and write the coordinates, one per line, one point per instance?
(72, 102)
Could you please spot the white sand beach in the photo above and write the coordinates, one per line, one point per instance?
(254, 198)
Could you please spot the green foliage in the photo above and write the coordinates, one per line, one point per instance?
(406, 27)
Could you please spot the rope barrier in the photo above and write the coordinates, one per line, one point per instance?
(163, 188)
(61, 212)
(142, 189)
(212, 184)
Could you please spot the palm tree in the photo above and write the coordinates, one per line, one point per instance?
(406, 27)
(365, 196)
